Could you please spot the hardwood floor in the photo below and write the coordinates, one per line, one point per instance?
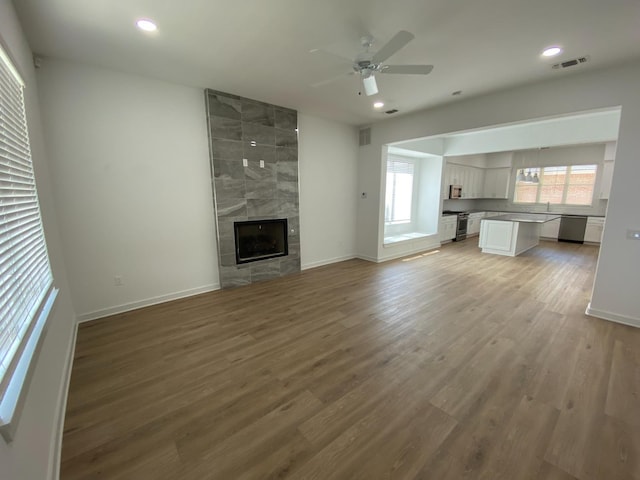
(446, 365)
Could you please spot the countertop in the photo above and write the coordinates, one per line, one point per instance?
(502, 212)
(524, 217)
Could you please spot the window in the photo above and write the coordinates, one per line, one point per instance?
(399, 192)
(26, 292)
(567, 185)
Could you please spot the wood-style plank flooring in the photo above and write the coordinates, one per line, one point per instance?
(447, 365)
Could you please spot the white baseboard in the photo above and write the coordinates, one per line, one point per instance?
(86, 317)
(613, 317)
(55, 453)
(321, 263)
(367, 258)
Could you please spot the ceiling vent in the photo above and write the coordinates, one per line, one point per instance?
(392, 111)
(570, 63)
(365, 137)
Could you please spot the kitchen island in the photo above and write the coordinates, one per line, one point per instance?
(512, 233)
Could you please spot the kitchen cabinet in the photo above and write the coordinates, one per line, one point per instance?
(550, 229)
(471, 179)
(473, 225)
(593, 231)
(605, 180)
(496, 182)
(448, 226)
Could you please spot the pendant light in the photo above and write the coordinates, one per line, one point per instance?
(528, 178)
(520, 177)
(535, 178)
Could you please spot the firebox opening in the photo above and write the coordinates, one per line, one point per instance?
(260, 239)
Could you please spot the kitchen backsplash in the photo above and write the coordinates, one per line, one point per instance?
(599, 207)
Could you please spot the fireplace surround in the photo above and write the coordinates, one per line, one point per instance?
(254, 172)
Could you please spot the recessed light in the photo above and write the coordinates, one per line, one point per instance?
(551, 51)
(146, 25)
(378, 105)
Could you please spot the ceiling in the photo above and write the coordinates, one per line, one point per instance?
(262, 49)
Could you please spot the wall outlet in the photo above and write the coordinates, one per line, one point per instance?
(261, 163)
(117, 281)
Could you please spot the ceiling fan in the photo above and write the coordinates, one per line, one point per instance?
(367, 63)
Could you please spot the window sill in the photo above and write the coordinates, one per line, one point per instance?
(14, 396)
(404, 237)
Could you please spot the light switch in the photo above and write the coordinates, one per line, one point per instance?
(245, 162)
(261, 163)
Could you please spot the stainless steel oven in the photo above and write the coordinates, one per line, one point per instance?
(461, 230)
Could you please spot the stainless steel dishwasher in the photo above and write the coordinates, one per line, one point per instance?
(572, 228)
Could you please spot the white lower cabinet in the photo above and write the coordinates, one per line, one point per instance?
(593, 232)
(473, 225)
(448, 227)
(550, 229)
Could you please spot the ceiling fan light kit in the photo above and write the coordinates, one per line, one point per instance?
(370, 85)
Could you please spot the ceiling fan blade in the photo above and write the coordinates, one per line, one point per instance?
(331, 80)
(409, 69)
(370, 85)
(396, 43)
(319, 52)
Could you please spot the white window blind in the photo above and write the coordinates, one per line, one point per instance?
(399, 192)
(25, 274)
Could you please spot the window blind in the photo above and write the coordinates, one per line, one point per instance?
(25, 274)
(399, 192)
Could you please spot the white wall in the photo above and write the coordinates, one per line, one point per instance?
(131, 175)
(328, 153)
(34, 451)
(615, 290)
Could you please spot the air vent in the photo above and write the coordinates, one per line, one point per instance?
(392, 111)
(365, 137)
(570, 63)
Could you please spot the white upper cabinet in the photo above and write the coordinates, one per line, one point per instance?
(496, 183)
(471, 179)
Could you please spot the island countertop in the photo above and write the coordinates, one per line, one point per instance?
(524, 217)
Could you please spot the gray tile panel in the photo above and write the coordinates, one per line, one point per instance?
(259, 152)
(287, 154)
(226, 149)
(261, 134)
(226, 128)
(286, 119)
(261, 208)
(266, 173)
(230, 207)
(256, 112)
(224, 106)
(226, 187)
(287, 171)
(286, 138)
(290, 265)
